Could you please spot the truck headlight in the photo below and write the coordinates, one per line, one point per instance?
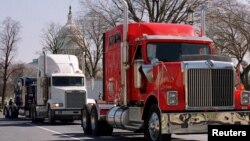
(172, 98)
(57, 104)
(245, 98)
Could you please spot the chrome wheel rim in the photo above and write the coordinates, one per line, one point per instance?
(154, 126)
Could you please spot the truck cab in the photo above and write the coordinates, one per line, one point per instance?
(164, 79)
(61, 88)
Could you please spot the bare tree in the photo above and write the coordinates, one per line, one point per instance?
(9, 37)
(103, 14)
(94, 29)
(171, 11)
(228, 26)
(52, 38)
(90, 41)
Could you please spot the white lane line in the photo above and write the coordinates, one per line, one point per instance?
(52, 131)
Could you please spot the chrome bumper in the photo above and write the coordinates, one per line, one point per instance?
(198, 122)
(67, 112)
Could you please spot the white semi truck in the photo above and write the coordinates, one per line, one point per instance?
(60, 91)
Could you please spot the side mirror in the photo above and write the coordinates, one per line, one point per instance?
(154, 61)
(148, 71)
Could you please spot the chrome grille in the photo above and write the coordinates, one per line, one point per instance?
(210, 88)
(75, 99)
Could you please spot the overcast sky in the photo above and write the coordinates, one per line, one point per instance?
(33, 16)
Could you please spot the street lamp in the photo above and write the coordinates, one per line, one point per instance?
(190, 16)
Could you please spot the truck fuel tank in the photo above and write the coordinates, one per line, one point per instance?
(119, 117)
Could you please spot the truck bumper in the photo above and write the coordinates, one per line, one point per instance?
(197, 122)
(67, 114)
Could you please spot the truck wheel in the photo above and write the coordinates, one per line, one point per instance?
(108, 130)
(6, 112)
(41, 120)
(98, 127)
(95, 127)
(86, 120)
(10, 111)
(153, 126)
(33, 115)
(15, 112)
(29, 115)
(51, 117)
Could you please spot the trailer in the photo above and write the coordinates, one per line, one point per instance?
(24, 94)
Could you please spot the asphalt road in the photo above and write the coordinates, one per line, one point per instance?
(22, 129)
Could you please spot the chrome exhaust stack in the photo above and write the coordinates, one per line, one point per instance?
(124, 55)
(203, 18)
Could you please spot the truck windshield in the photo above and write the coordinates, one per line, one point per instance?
(67, 81)
(170, 52)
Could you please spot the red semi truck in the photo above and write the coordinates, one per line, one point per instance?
(163, 79)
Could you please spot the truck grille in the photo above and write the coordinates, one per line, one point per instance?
(75, 99)
(210, 88)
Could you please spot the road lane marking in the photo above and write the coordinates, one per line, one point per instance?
(52, 131)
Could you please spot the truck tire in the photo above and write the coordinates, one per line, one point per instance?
(29, 115)
(10, 112)
(153, 126)
(33, 115)
(41, 120)
(95, 127)
(85, 120)
(51, 116)
(108, 130)
(15, 112)
(99, 127)
(6, 112)
(15, 115)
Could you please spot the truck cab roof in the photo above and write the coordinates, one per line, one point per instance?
(58, 64)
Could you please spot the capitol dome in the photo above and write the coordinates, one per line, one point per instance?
(67, 33)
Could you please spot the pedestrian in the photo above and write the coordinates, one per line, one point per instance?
(10, 102)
